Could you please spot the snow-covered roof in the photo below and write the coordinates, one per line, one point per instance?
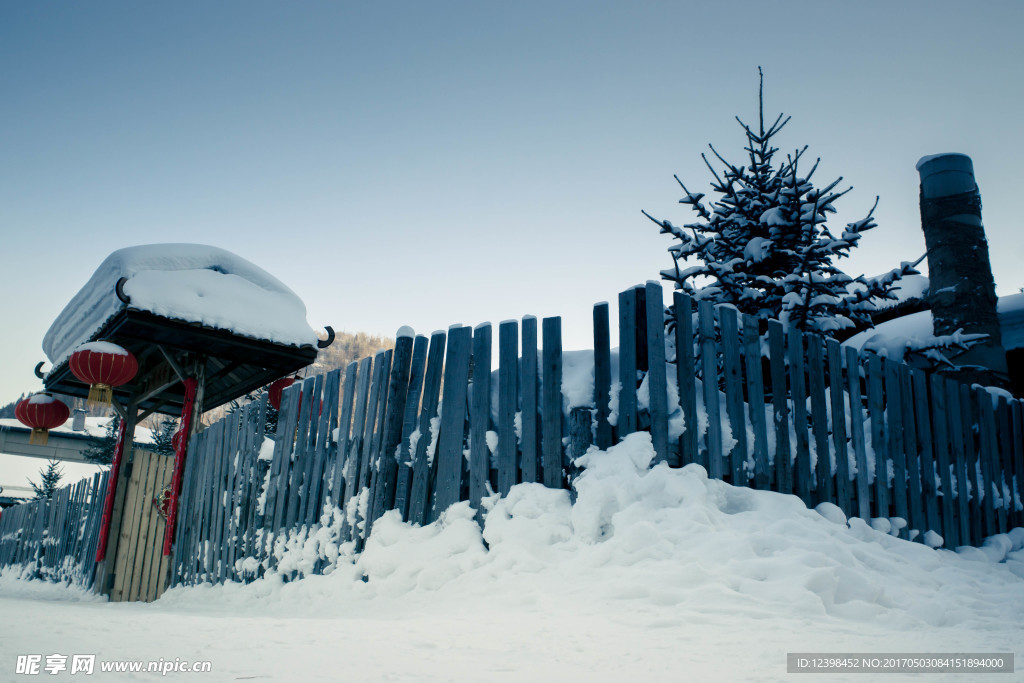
(892, 337)
(194, 283)
(95, 427)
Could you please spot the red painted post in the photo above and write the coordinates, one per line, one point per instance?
(108, 504)
(179, 461)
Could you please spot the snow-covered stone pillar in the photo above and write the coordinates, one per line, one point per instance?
(961, 291)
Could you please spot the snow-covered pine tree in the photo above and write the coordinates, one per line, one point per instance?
(50, 480)
(763, 244)
(163, 438)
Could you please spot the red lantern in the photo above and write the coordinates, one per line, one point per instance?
(102, 366)
(274, 392)
(41, 412)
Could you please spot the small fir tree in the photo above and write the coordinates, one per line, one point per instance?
(102, 452)
(50, 480)
(763, 244)
(163, 437)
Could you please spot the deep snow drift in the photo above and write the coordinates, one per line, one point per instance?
(653, 573)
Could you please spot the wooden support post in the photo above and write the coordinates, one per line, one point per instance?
(107, 552)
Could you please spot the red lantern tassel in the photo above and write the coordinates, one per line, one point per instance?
(100, 396)
(39, 437)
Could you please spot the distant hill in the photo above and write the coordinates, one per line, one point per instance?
(347, 347)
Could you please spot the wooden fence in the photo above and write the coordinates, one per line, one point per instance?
(420, 427)
(55, 539)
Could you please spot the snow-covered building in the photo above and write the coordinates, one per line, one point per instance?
(20, 461)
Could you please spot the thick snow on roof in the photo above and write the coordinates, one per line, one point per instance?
(190, 282)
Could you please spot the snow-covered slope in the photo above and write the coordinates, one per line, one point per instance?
(189, 282)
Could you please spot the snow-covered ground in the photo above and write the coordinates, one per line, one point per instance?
(653, 574)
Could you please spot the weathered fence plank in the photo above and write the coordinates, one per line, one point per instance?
(626, 423)
(530, 429)
(686, 378)
(986, 460)
(424, 461)
(297, 467)
(323, 446)
(876, 411)
(602, 376)
(926, 448)
(363, 488)
(941, 443)
(728, 319)
(957, 439)
(862, 480)
(897, 449)
(508, 402)
(656, 377)
(657, 381)
(453, 421)
(802, 482)
(712, 455)
(838, 405)
(391, 439)
(353, 472)
(1018, 459)
(915, 507)
(345, 437)
(410, 423)
(755, 401)
(823, 466)
(782, 461)
(551, 403)
(480, 417)
(1005, 467)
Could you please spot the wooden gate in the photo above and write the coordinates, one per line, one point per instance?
(141, 568)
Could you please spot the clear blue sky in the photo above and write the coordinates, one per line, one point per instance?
(432, 163)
